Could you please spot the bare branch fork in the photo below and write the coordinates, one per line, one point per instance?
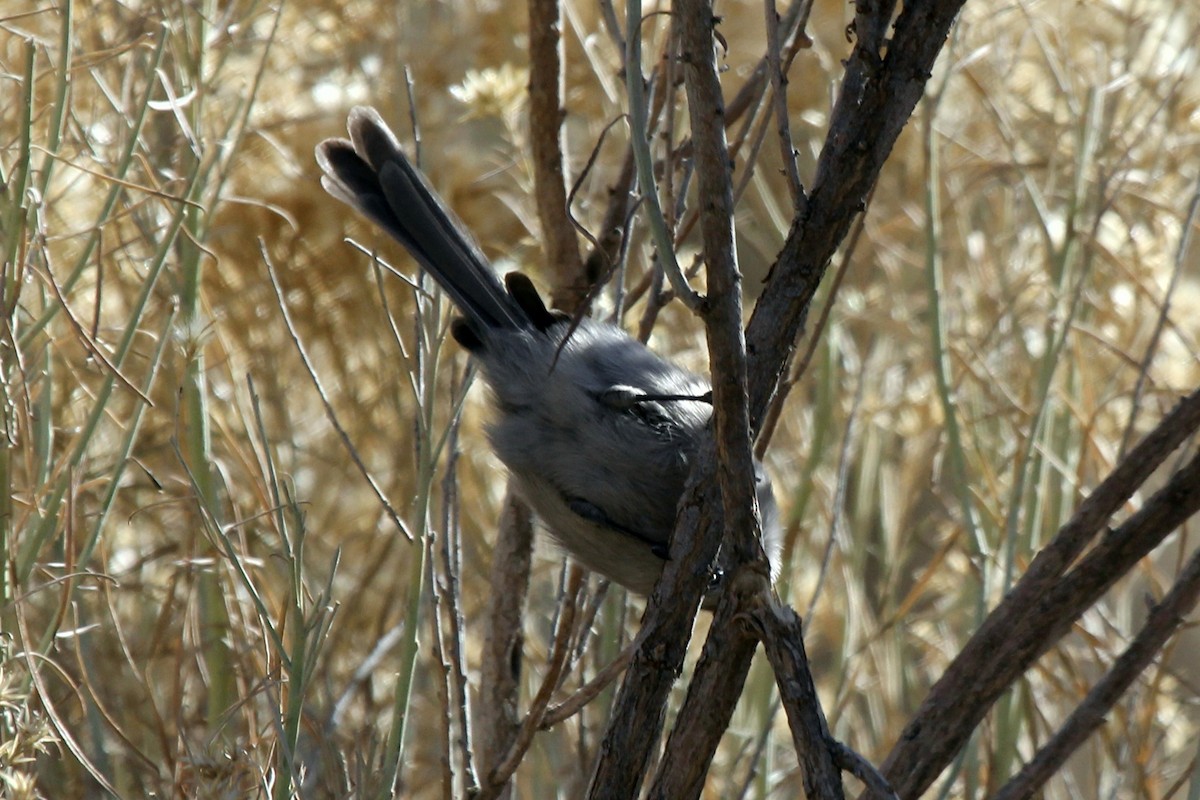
(821, 757)
(878, 95)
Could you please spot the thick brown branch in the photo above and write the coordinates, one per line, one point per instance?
(868, 118)
(637, 718)
(725, 662)
(722, 312)
(782, 636)
(545, 123)
(1046, 602)
(708, 708)
(1165, 618)
(499, 686)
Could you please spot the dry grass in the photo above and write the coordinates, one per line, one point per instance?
(196, 571)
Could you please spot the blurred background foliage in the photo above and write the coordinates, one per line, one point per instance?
(199, 573)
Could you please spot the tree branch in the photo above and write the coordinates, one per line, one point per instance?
(727, 462)
(782, 635)
(1165, 618)
(876, 100)
(722, 311)
(502, 772)
(637, 717)
(545, 122)
(504, 638)
(779, 81)
(712, 696)
(1047, 600)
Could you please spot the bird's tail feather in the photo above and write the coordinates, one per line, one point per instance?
(371, 173)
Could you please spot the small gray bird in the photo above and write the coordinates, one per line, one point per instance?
(597, 431)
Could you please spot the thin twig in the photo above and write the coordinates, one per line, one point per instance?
(414, 122)
(589, 691)
(796, 38)
(376, 260)
(330, 414)
(383, 646)
(89, 343)
(787, 149)
(667, 87)
(760, 747)
(612, 25)
(801, 365)
(639, 138)
(587, 621)
(1181, 254)
(442, 664)
(597, 247)
(451, 590)
(747, 99)
(845, 459)
(57, 722)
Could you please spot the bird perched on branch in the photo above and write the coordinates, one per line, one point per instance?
(597, 431)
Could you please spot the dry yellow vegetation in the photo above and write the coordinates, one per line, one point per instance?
(208, 591)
